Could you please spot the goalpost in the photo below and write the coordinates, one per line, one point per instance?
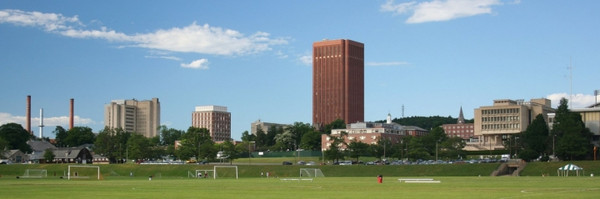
(215, 171)
(311, 172)
(81, 171)
(201, 173)
(35, 173)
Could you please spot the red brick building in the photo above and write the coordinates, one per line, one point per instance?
(338, 81)
(370, 133)
(214, 118)
(461, 129)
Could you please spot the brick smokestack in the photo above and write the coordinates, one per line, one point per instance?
(71, 114)
(28, 115)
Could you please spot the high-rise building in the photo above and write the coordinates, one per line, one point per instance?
(142, 117)
(214, 118)
(338, 81)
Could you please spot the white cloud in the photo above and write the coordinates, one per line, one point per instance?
(164, 57)
(306, 59)
(203, 39)
(49, 21)
(386, 63)
(577, 101)
(48, 121)
(440, 10)
(281, 55)
(197, 64)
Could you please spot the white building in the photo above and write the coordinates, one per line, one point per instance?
(142, 117)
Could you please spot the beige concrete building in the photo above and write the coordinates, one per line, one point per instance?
(214, 118)
(142, 117)
(264, 126)
(506, 117)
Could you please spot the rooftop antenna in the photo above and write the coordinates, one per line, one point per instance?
(571, 82)
(402, 110)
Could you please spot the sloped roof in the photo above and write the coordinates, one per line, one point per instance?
(67, 152)
(10, 153)
(40, 145)
(570, 167)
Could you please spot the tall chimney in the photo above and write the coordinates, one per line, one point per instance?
(41, 123)
(28, 115)
(71, 115)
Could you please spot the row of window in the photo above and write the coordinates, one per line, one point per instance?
(500, 119)
(500, 111)
(500, 126)
(461, 127)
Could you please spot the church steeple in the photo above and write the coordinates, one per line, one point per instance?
(461, 117)
(389, 118)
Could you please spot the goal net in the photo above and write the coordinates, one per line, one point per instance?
(201, 174)
(35, 173)
(83, 172)
(225, 172)
(311, 172)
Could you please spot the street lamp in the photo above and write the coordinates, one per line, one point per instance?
(249, 153)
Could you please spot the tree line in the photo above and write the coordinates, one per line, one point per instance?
(568, 140)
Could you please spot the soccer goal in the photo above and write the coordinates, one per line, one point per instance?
(201, 174)
(83, 172)
(225, 171)
(311, 172)
(35, 173)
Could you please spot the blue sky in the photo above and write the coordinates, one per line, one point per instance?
(255, 56)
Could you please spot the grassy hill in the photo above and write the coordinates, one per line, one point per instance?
(181, 171)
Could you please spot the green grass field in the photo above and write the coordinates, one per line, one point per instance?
(328, 187)
(356, 181)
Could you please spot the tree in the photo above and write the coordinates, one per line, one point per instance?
(49, 155)
(311, 141)
(16, 137)
(270, 135)
(284, 141)
(534, 139)
(335, 152)
(246, 137)
(229, 151)
(382, 148)
(433, 139)
(336, 124)
(357, 149)
(60, 136)
(3, 147)
(261, 139)
(451, 148)
(416, 150)
(298, 130)
(197, 143)
(78, 135)
(112, 143)
(138, 147)
(573, 139)
(169, 135)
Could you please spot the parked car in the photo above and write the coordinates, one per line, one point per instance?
(287, 163)
(347, 162)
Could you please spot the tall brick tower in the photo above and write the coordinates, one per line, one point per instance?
(338, 81)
